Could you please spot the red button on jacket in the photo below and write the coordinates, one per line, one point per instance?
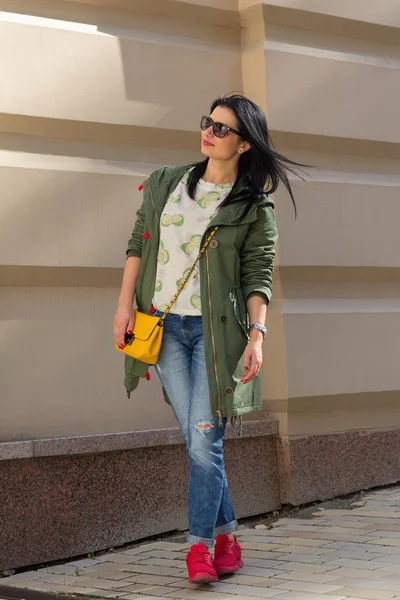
(145, 236)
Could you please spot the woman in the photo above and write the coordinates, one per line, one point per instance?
(210, 359)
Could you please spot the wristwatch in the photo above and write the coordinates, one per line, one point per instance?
(260, 327)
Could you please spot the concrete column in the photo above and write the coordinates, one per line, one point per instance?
(327, 78)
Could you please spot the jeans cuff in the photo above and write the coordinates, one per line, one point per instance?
(228, 528)
(195, 539)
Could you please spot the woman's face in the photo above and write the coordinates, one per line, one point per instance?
(222, 148)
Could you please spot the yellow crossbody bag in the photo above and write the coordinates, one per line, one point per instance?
(144, 343)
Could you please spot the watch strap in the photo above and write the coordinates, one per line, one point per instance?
(259, 327)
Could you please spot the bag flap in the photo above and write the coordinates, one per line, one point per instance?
(144, 326)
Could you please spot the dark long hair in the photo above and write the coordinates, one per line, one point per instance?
(261, 168)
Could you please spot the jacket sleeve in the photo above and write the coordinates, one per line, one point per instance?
(136, 240)
(258, 253)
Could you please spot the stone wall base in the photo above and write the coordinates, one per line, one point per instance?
(320, 467)
(77, 500)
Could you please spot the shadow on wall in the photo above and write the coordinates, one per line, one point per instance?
(166, 61)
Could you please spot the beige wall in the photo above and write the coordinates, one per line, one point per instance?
(385, 12)
(95, 100)
(331, 99)
(99, 93)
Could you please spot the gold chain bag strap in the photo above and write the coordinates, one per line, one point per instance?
(144, 343)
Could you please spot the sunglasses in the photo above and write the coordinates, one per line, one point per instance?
(219, 129)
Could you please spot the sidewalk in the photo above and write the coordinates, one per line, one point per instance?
(335, 555)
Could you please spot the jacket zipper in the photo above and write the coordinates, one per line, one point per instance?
(158, 226)
(154, 206)
(213, 344)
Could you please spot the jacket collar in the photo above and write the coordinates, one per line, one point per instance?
(229, 215)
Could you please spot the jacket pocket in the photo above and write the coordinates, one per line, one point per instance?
(239, 310)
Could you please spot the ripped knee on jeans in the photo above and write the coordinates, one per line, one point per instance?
(204, 427)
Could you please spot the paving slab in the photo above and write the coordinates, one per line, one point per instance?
(336, 554)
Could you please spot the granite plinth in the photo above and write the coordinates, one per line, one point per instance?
(320, 467)
(109, 442)
(13, 450)
(60, 506)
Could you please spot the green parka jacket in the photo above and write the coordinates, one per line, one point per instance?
(237, 263)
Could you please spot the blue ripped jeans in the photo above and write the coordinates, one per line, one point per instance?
(182, 370)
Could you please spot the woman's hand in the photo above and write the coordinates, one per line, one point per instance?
(252, 360)
(124, 322)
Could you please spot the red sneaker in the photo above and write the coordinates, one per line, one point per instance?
(228, 555)
(200, 566)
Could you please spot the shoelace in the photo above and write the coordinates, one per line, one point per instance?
(225, 546)
(200, 555)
